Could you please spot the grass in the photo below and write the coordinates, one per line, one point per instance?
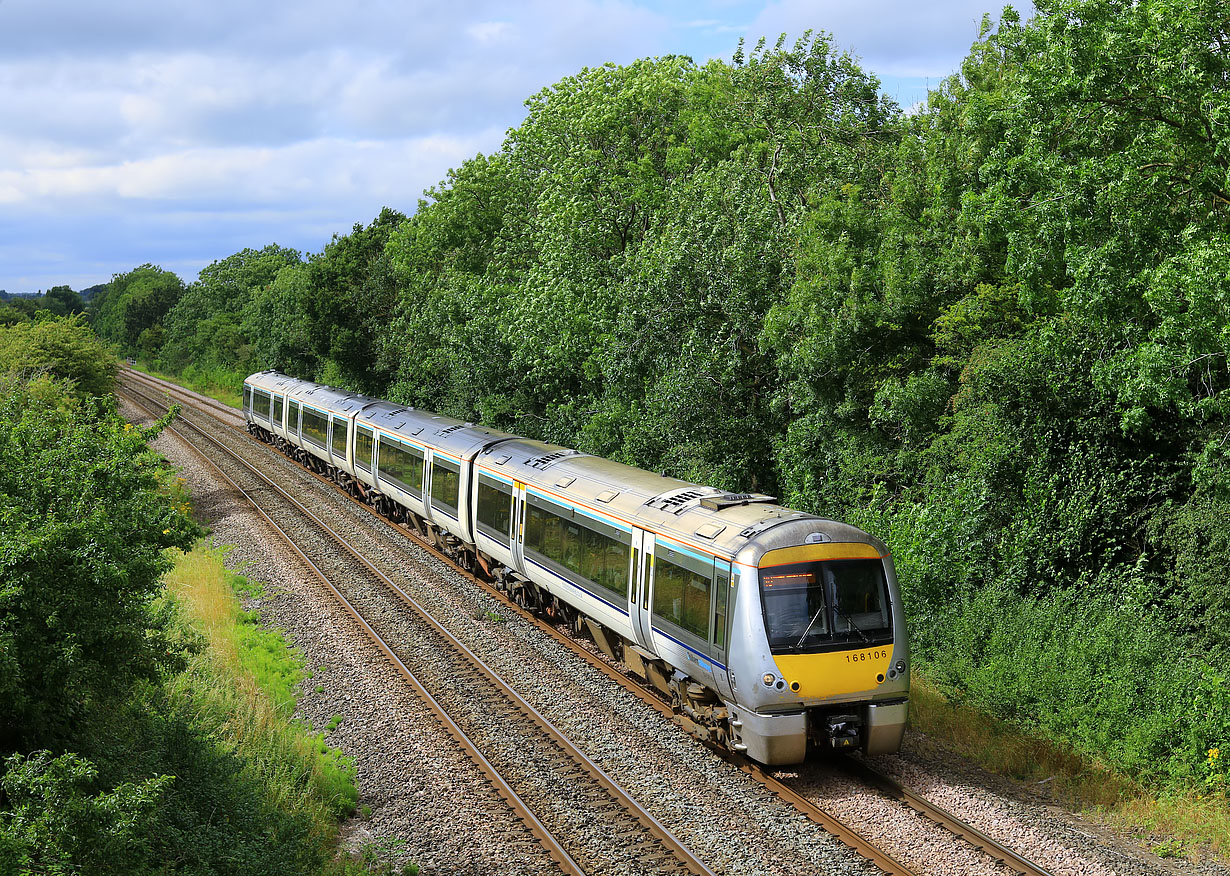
(1171, 824)
(243, 681)
(220, 384)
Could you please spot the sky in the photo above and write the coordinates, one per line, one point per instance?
(179, 133)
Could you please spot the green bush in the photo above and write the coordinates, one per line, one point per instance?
(1103, 675)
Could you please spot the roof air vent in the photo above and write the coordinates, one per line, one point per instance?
(544, 461)
(677, 501)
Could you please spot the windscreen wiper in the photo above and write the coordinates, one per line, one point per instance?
(853, 625)
(799, 643)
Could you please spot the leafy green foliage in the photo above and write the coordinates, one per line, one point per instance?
(63, 348)
(84, 518)
(56, 823)
(204, 329)
(124, 752)
(129, 310)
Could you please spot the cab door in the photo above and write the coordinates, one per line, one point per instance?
(640, 592)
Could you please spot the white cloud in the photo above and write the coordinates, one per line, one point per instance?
(178, 133)
(490, 31)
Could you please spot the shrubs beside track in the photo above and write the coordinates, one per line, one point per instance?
(141, 730)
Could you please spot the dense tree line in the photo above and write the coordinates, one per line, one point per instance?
(58, 301)
(993, 330)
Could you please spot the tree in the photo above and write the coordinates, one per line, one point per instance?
(64, 348)
(134, 302)
(56, 821)
(85, 516)
(204, 327)
(63, 301)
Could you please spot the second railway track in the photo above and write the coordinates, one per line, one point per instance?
(980, 842)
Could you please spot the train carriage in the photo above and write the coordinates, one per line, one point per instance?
(771, 630)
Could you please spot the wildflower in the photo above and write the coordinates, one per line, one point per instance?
(1213, 754)
(166, 532)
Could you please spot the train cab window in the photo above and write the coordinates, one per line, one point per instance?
(315, 427)
(860, 602)
(277, 409)
(825, 604)
(339, 436)
(445, 484)
(292, 421)
(247, 397)
(494, 508)
(402, 464)
(363, 446)
(680, 594)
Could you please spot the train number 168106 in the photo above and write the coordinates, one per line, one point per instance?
(862, 656)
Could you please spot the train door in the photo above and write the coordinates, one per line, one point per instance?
(518, 526)
(642, 583)
(719, 640)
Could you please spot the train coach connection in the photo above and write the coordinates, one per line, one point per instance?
(769, 629)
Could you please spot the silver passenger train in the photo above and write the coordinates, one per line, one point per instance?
(769, 629)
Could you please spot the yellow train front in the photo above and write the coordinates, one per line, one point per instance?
(818, 653)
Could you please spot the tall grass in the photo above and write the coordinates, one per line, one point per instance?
(222, 384)
(241, 687)
(1172, 823)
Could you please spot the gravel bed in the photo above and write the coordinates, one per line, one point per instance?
(429, 803)
(1026, 820)
(702, 799)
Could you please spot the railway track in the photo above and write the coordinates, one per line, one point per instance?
(556, 790)
(861, 771)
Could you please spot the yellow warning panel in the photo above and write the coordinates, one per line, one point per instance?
(820, 676)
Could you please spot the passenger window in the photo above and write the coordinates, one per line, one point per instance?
(339, 436)
(600, 557)
(401, 464)
(445, 484)
(315, 427)
(681, 596)
(494, 510)
(721, 586)
(363, 448)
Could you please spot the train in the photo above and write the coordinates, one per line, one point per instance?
(773, 632)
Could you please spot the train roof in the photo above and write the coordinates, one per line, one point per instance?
(454, 437)
(742, 526)
(738, 525)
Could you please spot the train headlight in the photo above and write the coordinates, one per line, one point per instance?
(768, 679)
(900, 667)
